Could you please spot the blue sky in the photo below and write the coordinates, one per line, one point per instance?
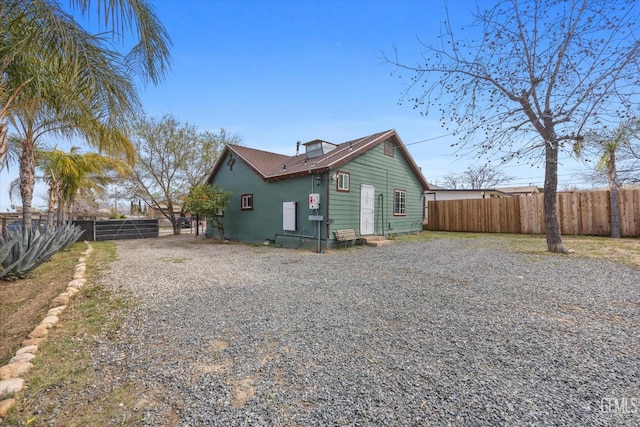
(277, 72)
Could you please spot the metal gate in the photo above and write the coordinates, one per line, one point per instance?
(115, 229)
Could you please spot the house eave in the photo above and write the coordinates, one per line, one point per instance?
(332, 160)
(281, 177)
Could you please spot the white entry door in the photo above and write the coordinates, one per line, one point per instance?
(367, 203)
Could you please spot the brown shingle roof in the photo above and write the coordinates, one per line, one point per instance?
(258, 160)
(272, 167)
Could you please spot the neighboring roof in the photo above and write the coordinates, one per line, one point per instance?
(519, 190)
(273, 167)
(163, 205)
(434, 189)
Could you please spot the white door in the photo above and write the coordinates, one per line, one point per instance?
(367, 203)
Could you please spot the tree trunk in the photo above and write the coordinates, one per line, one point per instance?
(60, 212)
(175, 222)
(70, 209)
(61, 207)
(27, 181)
(613, 195)
(4, 147)
(554, 238)
(220, 227)
(615, 213)
(51, 206)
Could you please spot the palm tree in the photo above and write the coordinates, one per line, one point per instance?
(607, 145)
(607, 162)
(88, 103)
(151, 55)
(42, 26)
(57, 78)
(69, 173)
(22, 33)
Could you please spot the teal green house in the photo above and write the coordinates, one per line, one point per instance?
(371, 185)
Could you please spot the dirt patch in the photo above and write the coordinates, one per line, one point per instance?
(63, 388)
(216, 368)
(563, 320)
(570, 307)
(24, 303)
(615, 318)
(219, 345)
(243, 389)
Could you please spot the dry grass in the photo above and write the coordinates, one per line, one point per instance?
(63, 388)
(24, 303)
(623, 251)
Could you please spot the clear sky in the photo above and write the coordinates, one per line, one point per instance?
(277, 72)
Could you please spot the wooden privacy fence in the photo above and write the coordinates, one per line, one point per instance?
(579, 212)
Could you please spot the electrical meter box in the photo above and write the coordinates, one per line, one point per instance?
(314, 201)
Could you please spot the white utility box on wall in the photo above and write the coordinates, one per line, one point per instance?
(289, 216)
(314, 201)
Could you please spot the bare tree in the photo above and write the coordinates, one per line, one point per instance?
(476, 178)
(452, 181)
(528, 77)
(172, 158)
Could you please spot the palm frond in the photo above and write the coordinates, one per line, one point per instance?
(151, 55)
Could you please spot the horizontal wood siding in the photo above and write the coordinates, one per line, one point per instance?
(579, 213)
(386, 174)
(264, 221)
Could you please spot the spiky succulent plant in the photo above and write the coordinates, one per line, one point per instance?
(21, 253)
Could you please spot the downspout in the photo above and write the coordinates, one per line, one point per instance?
(326, 206)
(382, 210)
(383, 207)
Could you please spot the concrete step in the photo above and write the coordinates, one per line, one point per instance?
(376, 241)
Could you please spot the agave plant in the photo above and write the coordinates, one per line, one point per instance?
(21, 253)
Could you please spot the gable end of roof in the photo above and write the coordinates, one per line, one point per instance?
(275, 167)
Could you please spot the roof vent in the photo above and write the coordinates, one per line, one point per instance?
(318, 147)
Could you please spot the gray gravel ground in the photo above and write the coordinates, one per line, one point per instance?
(442, 332)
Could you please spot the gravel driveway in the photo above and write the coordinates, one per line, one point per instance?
(441, 332)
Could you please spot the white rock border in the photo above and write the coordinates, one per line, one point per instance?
(10, 381)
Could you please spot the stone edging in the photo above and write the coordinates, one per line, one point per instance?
(10, 381)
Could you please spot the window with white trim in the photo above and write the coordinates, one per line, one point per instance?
(246, 202)
(342, 181)
(399, 202)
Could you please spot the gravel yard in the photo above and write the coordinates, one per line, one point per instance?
(440, 332)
